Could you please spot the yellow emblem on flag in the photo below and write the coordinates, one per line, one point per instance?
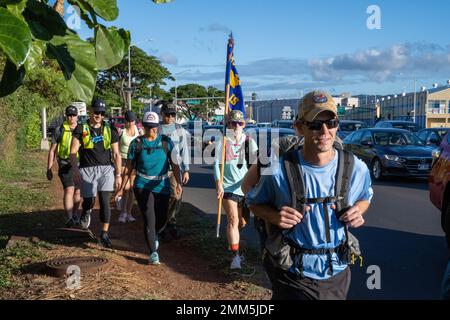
(234, 80)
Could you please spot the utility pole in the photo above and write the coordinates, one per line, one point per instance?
(415, 99)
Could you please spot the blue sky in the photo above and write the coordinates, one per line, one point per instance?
(285, 47)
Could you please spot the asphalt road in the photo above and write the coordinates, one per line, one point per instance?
(402, 236)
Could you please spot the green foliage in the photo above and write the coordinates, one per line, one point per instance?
(206, 108)
(146, 71)
(31, 29)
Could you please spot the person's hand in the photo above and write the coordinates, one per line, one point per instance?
(76, 177)
(118, 182)
(289, 217)
(220, 192)
(353, 217)
(185, 179)
(118, 195)
(178, 189)
(49, 174)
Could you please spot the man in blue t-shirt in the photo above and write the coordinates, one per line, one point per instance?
(312, 276)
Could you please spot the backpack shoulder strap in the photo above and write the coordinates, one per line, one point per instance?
(138, 150)
(344, 172)
(295, 179)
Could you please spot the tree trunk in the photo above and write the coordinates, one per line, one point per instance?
(59, 7)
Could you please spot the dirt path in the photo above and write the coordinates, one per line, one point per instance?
(183, 274)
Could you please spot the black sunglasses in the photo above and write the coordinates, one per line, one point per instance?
(171, 114)
(99, 113)
(237, 123)
(318, 124)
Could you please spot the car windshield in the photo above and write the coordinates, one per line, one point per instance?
(406, 126)
(442, 133)
(396, 139)
(351, 126)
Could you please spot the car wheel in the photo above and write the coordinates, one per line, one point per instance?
(376, 169)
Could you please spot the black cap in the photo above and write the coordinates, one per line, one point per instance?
(130, 116)
(168, 107)
(71, 111)
(99, 106)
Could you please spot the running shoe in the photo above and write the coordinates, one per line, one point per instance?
(85, 219)
(123, 217)
(236, 262)
(130, 218)
(106, 242)
(154, 259)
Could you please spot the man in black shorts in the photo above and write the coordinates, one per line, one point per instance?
(98, 146)
(60, 149)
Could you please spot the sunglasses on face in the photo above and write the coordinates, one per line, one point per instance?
(71, 115)
(99, 113)
(318, 124)
(237, 123)
(173, 115)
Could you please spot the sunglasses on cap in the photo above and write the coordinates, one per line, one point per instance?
(99, 113)
(318, 124)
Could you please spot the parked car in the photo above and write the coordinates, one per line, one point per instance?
(346, 127)
(432, 136)
(393, 152)
(439, 184)
(118, 122)
(406, 125)
(287, 124)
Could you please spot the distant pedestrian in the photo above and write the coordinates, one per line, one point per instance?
(60, 149)
(98, 147)
(178, 136)
(150, 156)
(127, 135)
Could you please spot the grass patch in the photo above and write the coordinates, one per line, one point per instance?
(12, 260)
(202, 239)
(22, 182)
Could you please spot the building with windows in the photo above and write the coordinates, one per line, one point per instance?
(432, 107)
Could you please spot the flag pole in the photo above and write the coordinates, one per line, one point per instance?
(227, 102)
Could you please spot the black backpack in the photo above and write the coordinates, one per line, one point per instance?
(276, 247)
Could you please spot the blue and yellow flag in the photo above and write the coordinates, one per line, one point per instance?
(236, 97)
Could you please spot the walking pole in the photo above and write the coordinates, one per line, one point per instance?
(227, 101)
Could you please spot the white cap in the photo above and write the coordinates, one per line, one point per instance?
(150, 120)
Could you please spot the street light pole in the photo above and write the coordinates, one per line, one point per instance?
(129, 77)
(415, 99)
(129, 71)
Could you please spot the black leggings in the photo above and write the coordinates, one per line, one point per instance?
(153, 207)
(105, 210)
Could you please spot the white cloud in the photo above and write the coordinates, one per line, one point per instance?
(168, 58)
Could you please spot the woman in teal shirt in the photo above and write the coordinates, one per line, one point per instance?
(235, 169)
(150, 156)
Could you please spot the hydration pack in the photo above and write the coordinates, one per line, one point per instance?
(280, 251)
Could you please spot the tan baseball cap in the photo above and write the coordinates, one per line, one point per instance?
(314, 103)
